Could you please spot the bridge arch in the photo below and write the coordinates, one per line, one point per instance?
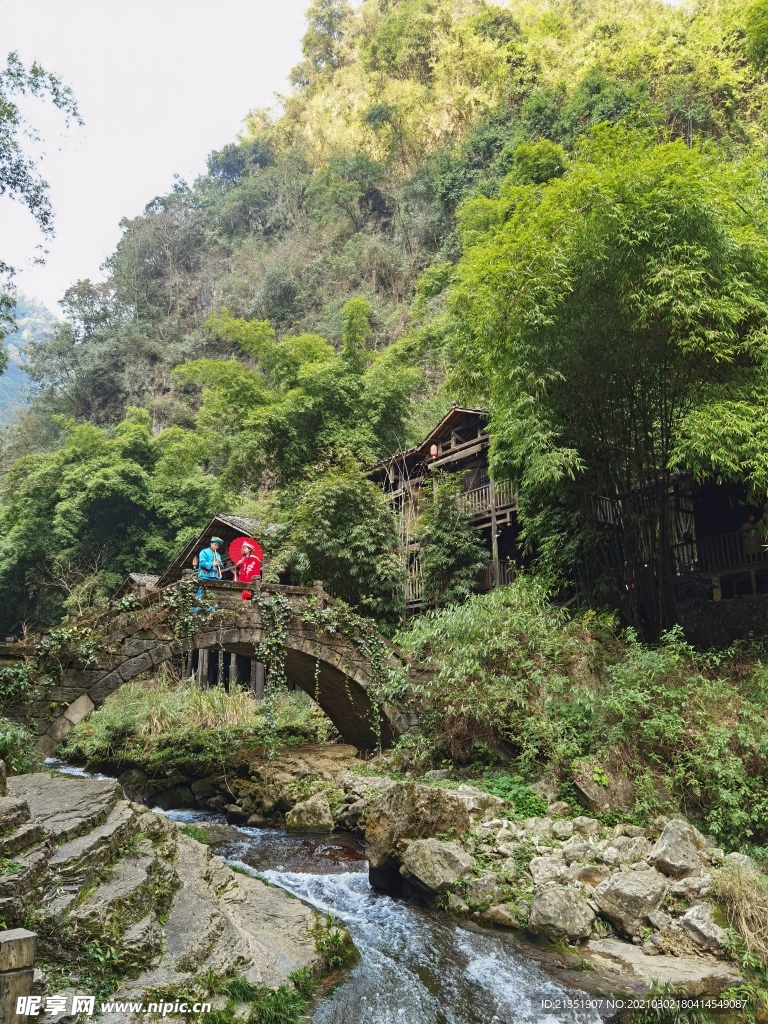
(322, 663)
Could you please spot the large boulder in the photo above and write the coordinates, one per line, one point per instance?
(435, 865)
(627, 897)
(561, 913)
(578, 849)
(679, 850)
(407, 811)
(312, 815)
(614, 792)
(701, 928)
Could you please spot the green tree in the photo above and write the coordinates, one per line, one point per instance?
(322, 42)
(345, 533)
(19, 178)
(104, 503)
(597, 314)
(451, 552)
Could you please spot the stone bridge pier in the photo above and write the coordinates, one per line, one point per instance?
(322, 663)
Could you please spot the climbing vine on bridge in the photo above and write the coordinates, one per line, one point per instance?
(361, 634)
(34, 679)
(188, 609)
(276, 613)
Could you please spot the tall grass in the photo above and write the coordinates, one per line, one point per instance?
(165, 722)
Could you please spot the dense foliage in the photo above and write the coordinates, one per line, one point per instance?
(451, 553)
(516, 675)
(552, 210)
(615, 317)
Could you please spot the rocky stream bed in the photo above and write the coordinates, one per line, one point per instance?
(462, 913)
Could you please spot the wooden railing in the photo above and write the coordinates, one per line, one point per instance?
(727, 551)
(495, 574)
(480, 498)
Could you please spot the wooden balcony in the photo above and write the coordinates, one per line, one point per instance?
(482, 499)
(495, 574)
(725, 553)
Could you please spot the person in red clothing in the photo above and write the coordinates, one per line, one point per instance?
(247, 568)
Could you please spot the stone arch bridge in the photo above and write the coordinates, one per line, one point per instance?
(321, 662)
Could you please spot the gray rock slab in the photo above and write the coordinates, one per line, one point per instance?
(66, 806)
(124, 893)
(697, 976)
(14, 811)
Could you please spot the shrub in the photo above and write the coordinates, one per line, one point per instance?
(17, 748)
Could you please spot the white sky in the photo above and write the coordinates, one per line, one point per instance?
(159, 84)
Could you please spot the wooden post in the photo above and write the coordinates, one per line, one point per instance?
(257, 678)
(232, 668)
(17, 961)
(203, 669)
(190, 662)
(494, 538)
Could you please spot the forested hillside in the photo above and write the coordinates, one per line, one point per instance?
(457, 200)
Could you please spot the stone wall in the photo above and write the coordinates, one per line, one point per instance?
(719, 623)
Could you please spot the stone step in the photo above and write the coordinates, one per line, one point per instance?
(128, 894)
(65, 805)
(81, 858)
(14, 811)
(22, 838)
(24, 882)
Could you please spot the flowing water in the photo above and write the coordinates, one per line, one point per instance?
(416, 966)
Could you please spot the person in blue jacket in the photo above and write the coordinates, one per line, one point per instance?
(209, 561)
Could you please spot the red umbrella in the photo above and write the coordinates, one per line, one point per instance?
(236, 549)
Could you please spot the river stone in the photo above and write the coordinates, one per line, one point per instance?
(697, 922)
(501, 914)
(409, 810)
(312, 815)
(678, 850)
(578, 849)
(477, 802)
(541, 827)
(560, 809)
(562, 829)
(591, 874)
(134, 783)
(484, 889)
(547, 869)
(435, 865)
(586, 826)
(627, 897)
(740, 860)
(560, 913)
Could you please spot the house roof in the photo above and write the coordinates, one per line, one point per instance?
(133, 581)
(223, 525)
(461, 424)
